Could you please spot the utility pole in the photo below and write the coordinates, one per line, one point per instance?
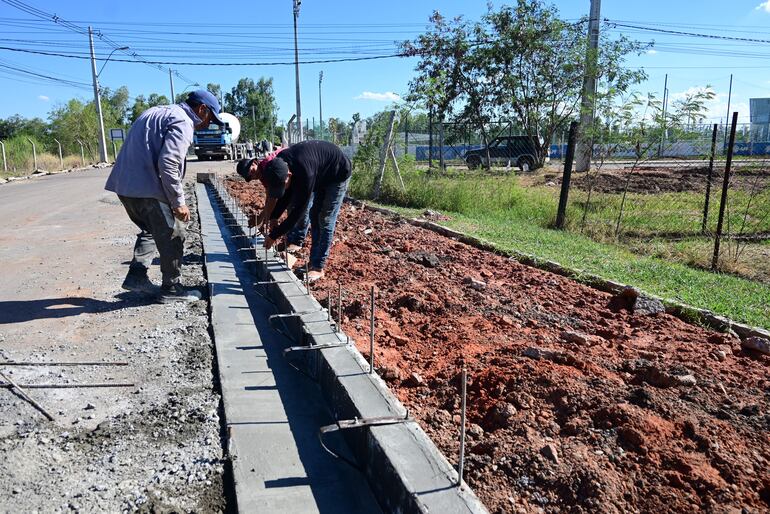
(585, 142)
(97, 100)
(171, 80)
(320, 107)
(300, 136)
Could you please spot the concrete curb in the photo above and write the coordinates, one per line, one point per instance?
(403, 467)
(44, 173)
(685, 312)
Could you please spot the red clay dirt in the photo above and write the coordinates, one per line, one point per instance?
(575, 403)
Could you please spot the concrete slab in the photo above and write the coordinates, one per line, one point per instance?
(272, 412)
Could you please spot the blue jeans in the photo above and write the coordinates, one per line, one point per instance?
(323, 219)
(297, 235)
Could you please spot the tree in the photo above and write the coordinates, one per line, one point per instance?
(32, 127)
(452, 76)
(216, 90)
(117, 103)
(520, 62)
(691, 109)
(259, 95)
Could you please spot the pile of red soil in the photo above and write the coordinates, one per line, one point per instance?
(575, 403)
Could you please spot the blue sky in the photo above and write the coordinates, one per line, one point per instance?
(262, 31)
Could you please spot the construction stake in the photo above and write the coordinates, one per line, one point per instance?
(24, 395)
(339, 305)
(371, 334)
(461, 463)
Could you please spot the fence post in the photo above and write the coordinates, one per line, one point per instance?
(82, 153)
(565, 181)
(430, 138)
(34, 155)
(61, 157)
(5, 163)
(708, 179)
(114, 151)
(441, 163)
(725, 186)
(406, 134)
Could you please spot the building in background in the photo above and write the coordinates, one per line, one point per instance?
(759, 109)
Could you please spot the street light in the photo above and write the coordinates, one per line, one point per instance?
(108, 58)
(97, 98)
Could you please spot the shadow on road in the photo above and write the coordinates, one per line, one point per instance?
(50, 308)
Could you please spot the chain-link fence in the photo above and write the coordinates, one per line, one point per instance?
(667, 195)
(21, 155)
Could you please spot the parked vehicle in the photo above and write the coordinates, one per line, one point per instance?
(215, 142)
(519, 151)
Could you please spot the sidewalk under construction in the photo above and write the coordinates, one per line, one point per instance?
(309, 427)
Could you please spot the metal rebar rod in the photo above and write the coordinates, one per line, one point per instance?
(339, 305)
(371, 333)
(23, 394)
(461, 463)
(329, 306)
(71, 386)
(20, 363)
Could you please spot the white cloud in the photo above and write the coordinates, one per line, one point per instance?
(764, 6)
(380, 97)
(652, 51)
(43, 98)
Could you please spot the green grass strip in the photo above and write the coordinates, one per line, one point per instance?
(739, 299)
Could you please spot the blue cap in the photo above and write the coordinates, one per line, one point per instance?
(204, 97)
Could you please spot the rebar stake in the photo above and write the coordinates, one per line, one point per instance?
(371, 334)
(339, 305)
(329, 307)
(461, 463)
(285, 251)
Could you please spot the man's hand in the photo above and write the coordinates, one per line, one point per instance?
(269, 242)
(182, 213)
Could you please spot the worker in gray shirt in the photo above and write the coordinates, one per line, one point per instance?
(147, 178)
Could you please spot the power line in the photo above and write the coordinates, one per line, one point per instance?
(80, 30)
(277, 63)
(689, 34)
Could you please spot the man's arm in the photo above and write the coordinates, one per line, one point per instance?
(171, 161)
(303, 199)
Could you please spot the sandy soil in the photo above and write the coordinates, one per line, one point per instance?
(576, 403)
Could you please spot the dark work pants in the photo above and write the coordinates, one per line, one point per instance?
(160, 231)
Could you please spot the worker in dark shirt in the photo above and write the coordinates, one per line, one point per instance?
(315, 169)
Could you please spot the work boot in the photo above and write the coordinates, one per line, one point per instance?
(138, 282)
(178, 293)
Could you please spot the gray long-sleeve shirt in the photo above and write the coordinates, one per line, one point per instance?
(151, 163)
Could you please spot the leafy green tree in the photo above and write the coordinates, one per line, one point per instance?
(259, 96)
(117, 103)
(520, 62)
(216, 90)
(32, 127)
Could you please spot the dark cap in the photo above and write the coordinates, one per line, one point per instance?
(202, 96)
(274, 177)
(243, 167)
